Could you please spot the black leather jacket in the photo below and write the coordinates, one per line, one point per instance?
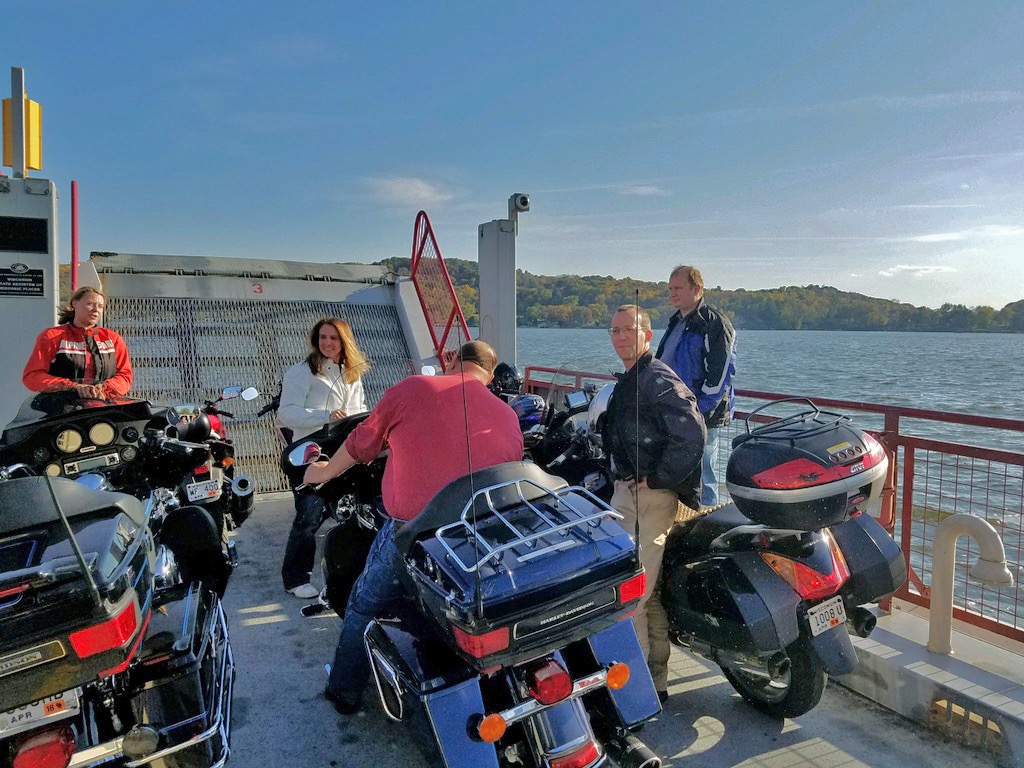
(663, 438)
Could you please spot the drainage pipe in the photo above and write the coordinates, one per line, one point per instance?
(990, 569)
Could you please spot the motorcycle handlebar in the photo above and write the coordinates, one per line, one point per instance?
(178, 447)
(211, 409)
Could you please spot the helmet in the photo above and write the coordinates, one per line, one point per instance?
(189, 423)
(529, 409)
(507, 380)
(597, 409)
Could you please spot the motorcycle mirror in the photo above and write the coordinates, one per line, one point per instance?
(182, 414)
(428, 370)
(250, 393)
(576, 402)
(229, 393)
(303, 454)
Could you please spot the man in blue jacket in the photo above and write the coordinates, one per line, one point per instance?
(700, 346)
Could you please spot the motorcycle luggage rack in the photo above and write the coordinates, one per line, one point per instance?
(559, 499)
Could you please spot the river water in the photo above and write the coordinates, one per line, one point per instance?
(971, 373)
(978, 374)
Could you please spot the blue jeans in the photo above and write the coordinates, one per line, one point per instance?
(300, 551)
(709, 470)
(376, 593)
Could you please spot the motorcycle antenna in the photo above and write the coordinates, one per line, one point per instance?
(636, 424)
(477, 578)
(93, 589)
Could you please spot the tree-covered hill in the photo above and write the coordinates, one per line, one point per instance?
(575, 301)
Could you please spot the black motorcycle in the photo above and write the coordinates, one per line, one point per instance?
(515, 647)
(770, 586)
(209, 480)
(115, 647)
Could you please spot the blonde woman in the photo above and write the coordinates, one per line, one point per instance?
(324, 387)
(78, 354)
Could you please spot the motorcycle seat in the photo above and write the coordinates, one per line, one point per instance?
(447, 504)
(27, 502)
(700, 532)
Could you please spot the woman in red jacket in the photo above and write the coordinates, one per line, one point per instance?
(79, 355)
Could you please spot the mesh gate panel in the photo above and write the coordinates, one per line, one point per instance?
(437, 295)
(187, 350)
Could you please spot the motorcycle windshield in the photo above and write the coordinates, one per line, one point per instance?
(46, 406)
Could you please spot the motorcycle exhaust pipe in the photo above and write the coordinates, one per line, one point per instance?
(629, 752)
(862, 621)
(242, 486)
(768, 669)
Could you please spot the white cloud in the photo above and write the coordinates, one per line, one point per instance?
(1000, 230)
(643, 190)
(408, 191)
(915, 270)
(939, 237)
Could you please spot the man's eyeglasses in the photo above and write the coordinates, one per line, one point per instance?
(622, 331)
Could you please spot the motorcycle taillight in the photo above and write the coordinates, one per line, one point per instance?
(633, 588)
(809, 583)
(548, 682)
(579, 758)
(479, 646)
(49, 748)
(796, 475)
(113, 633)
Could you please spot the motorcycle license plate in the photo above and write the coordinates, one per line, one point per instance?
(208, 489)
(826, 615)
(29, 716)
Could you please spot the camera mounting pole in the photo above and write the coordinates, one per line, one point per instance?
(496, 251)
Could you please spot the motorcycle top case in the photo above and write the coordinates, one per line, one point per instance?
(525, 568)
(805, 474)
(55, 632)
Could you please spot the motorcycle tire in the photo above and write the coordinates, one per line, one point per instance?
(793, 693)
(346, 546)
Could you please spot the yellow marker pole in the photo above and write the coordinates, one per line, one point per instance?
(22, 128)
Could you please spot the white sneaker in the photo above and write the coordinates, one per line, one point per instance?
(305, 591)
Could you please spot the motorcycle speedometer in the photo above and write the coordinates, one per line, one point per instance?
(102, 433)
(68, 440)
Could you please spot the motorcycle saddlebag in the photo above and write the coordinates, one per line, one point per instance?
(526, 567)
(877, 565)
(805, 474)
(55, 634)
(182, 684)
(424, 684)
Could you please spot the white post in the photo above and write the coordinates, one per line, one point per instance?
(18, 166)
(496, 252)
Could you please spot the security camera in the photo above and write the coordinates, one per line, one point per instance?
(521, 201)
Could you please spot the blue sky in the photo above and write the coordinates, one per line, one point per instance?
(876, 147)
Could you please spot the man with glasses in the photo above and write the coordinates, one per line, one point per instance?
(700, 346)
(655, 436)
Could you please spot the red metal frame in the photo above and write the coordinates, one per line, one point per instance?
(437, 296)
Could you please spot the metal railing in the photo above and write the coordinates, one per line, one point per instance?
(930, 478)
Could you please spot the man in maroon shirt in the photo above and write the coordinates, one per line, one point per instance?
(437, 429)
